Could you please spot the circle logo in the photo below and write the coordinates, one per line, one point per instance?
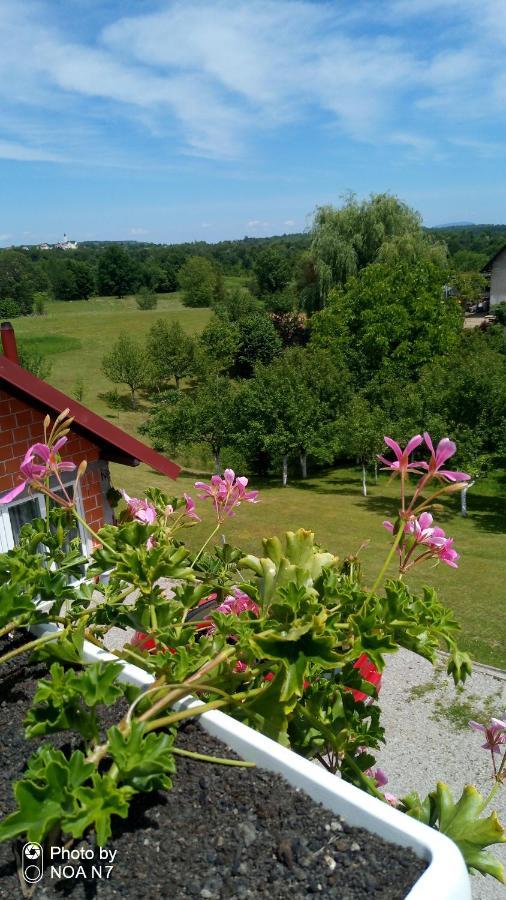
(32, 851)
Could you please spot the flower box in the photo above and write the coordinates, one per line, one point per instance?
(446, 875)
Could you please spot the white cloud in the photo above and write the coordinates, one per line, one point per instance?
(138, 231)
(13, 150)
(207, 76)
(289, 222)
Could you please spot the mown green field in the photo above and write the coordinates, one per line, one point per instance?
(75, 336)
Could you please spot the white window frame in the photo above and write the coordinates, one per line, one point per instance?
(7, 541)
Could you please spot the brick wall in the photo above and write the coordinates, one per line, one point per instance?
(21, 426)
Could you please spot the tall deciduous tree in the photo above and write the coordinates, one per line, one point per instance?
(389, 320)
(127, 364)
(346, 240)
(171, 352)
(207, 416)
(288, 410)
(272, 271)
(197, 279)
(362, 428)
(118, 273)
(258, 343)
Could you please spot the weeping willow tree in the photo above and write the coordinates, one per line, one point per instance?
(381, 229)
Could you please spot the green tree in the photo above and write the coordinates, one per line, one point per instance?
(205, 416)
(127, 364)
(272, 271)
(171, 352)
(18, 281)
(382, 228)
(258, 343)
(84, 278)
(219, 344)
(389, 320)
(63, 281)
(362, 428)
(117, 273)
(197, 280)
(288, 410)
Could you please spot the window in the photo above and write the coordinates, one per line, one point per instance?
(20, 512)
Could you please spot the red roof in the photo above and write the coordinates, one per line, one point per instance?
(115, 445)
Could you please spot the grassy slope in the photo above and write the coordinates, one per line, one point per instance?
(331, 504)
(88, 329)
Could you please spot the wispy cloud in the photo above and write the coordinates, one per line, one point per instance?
(209, 77)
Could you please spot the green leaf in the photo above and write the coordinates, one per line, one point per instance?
(144, 761)
(46, 794)
(96, 805)
(462, 822)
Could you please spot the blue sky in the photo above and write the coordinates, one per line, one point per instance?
(211, 119)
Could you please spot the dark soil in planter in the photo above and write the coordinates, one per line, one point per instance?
(222, 832)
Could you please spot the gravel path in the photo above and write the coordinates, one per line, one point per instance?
(428, 739)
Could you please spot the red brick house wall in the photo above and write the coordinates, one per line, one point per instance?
(21, 426)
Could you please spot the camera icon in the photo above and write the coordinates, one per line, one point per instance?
(32, 860)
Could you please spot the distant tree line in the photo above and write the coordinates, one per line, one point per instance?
(293, 272)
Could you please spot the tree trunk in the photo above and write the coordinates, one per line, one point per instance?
(463, 499)
(364, 482)
(376, 472)
(303, 463)
(285, 471)
(134, 399)
(178, 380)
(217, 462)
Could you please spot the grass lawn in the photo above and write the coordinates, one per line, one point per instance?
(75, 336)
(332, 505)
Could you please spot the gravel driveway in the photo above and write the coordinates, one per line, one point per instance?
(428, 739)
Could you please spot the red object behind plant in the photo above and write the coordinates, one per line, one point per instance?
(369, 673)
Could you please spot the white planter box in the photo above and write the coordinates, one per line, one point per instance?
(446, 877)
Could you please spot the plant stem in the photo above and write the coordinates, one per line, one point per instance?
(213, 759)
(10, 627)
(490, 797)
(204, 545)
(388, 560)
(32, 645)
(185, 714)
(180, 692)
(94, 534)
(371, 789)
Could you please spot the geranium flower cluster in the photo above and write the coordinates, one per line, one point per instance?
(419, 539)
(226, 493)
(432, 542)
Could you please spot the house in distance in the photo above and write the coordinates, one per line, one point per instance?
(24, 402)
(495, 269)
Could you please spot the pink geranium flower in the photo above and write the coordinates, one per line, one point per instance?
(421, 531)
(401, 464)
(226, 493)
(495, 734)
(237, 603)
(444, 450)
(140, 510)
(40, 462)
(380, 778)
(190, 508)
